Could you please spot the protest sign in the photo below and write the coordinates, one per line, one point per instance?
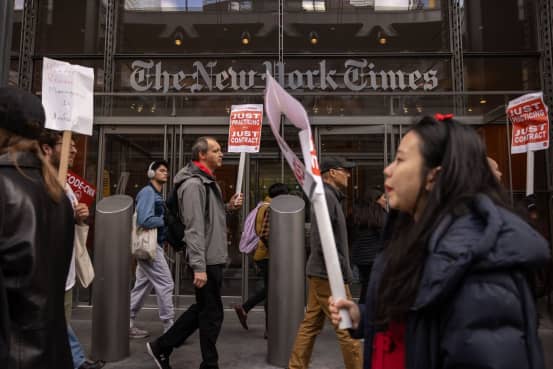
(278, 102)
(244, 134)
(245, 128)
(84, 191)
(67, 97)
(529, 117)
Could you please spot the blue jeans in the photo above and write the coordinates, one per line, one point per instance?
(76, 349)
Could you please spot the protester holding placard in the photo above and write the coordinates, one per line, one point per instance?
(36, 241)
(450, 288)
(335, 173)
(203, 213)
(50, 143)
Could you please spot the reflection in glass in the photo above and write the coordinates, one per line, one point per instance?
(199, 26)
(361, 25)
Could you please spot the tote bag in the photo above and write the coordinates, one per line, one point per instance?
(83, 265)
(143, 241)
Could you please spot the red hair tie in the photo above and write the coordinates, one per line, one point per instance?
(443, 117)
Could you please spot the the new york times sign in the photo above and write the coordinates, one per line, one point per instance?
(356, 75)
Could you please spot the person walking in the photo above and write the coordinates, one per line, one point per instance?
(368, 219)
(50, 144)
(335, 173)
(261, 256)
(150, 208)
(36, 242)
(203, 213)
(450, 288)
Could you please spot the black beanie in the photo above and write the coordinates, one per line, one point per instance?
(21, 112)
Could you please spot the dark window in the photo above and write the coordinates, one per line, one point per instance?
(499, 25)
(69, 26)
(362, 25)
(194, 26)
(502, 73)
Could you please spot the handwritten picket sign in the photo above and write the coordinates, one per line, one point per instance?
(68, 96)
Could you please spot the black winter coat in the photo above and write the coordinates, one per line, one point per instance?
(474, 308)
(36, 241)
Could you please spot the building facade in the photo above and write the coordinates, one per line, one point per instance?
(168, 71)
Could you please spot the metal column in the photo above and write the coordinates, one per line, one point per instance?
(6, 17)
(286, 292)
(111, 295)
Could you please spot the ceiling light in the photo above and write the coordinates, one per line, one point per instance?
(382, 40)
(313, 38)
(469, 109)
(483, 100)
(178, 38)
(245, 37)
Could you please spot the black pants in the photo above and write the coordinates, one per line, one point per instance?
(364, 276)
(206, 315)
(260, 294)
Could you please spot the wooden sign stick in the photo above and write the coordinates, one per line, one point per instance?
(64, 158)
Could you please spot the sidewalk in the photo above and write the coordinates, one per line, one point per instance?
(237, 347)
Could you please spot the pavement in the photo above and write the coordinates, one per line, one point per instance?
(238, 348)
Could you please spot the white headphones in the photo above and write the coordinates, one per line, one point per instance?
(151, 173)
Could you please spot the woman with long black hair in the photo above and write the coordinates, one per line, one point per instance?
(449, 289)
(368, 218)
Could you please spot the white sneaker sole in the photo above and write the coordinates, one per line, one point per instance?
(152, 355)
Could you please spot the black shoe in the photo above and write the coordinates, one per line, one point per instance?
(161, 359)
(92, 364)
(242, 315)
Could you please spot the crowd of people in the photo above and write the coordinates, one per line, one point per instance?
(444, 262)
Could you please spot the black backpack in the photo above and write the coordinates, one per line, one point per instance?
(175, 228)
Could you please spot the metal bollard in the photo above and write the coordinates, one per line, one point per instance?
(110, 295)
(286, 291)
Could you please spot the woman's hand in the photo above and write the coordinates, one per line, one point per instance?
(353, 310)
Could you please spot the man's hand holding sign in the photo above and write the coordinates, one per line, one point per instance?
(278, 102)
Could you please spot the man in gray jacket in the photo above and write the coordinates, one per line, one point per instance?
(203, 213)
(335, 172)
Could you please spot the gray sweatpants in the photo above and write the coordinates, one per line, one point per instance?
(156, 274)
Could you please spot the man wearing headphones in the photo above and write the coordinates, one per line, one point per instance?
(150, 208)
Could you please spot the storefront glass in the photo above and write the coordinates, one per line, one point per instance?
(499, 25)
(344, 26)
(195, 26)
(68, 26)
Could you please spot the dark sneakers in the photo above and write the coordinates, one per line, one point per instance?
(161, 359)
(242, 315)
(92, 364)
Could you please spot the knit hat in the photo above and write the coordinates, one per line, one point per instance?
(21, 112)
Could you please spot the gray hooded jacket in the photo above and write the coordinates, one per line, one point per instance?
(205, 236)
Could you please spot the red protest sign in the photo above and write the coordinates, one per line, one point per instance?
(245, 128)
(84, 191)
(529, 116)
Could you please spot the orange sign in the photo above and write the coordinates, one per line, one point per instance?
(245, 128)
(529, 116)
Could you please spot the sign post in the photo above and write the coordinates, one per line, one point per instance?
(67, 97)
(244, 134)
(529, 117)
(278, 102)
